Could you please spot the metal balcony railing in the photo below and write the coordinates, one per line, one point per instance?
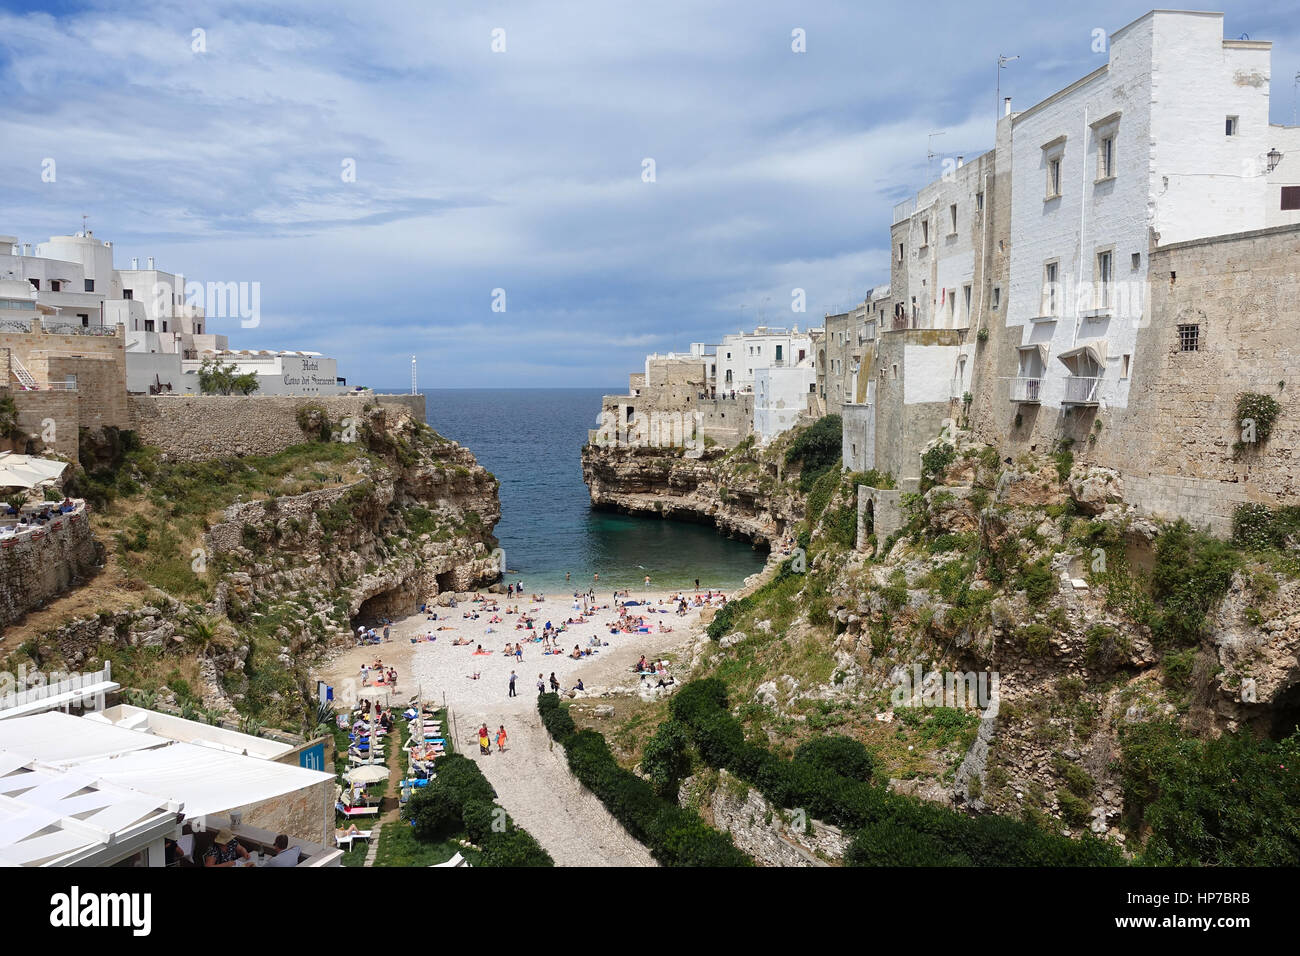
(1082, 390)
(1026, 390)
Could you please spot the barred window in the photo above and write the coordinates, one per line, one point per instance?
(1189, 338)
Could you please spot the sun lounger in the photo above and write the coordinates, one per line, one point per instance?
(456, 860)
(356, 811)
(345, 841)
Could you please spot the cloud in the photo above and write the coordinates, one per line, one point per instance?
(520, 170)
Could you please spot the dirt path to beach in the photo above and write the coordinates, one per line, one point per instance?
(531, 776)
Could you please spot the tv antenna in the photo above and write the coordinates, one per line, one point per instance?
(1003, 60)
(930, 154)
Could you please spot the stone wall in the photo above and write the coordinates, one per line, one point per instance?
(48, 415)
(201, 428)
(97, 361)
(880, 513)
(33, 570)
(304, 814)
(1174, 444)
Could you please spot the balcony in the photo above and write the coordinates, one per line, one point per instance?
(1081, 390)
(1026, 390)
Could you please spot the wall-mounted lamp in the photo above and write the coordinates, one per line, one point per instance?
(1274, 157)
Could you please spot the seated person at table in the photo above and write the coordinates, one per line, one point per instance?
(283, 854)
(67, 506)
(225, 850)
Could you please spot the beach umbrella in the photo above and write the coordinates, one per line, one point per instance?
(27, 471)
(367, 773)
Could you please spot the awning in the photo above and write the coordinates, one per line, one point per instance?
(26, 471)
(1040, 348)
(1094, 350)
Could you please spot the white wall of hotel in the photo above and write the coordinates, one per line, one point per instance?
(740, 355)
(296, 374)
(1165, 97)
(780, 397)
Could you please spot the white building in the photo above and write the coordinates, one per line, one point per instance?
(740, 355)
(1167, 142)
(71, 281)
(781, 397)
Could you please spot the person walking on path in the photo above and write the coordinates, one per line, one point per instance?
(501, 738)
(512, 684)
(484, 741)
(555, 684)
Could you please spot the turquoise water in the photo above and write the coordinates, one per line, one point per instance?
(531, 439)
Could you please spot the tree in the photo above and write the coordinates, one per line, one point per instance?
(220, 378)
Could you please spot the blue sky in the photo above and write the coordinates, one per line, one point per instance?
(520, 170)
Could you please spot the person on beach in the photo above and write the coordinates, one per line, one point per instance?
(484, 742)
(512, 684)
(519, 653)
(555, 684)
(501, 738)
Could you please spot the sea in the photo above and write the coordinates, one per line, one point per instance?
(532, 439)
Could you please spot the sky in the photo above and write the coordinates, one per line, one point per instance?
(220, 137)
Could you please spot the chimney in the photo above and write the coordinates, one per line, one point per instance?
(135, 262)
(961, 161)
(27, 248)
(1006, 106)
(150, 261)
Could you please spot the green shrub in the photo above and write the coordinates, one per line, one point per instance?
(842, 755)
(1192, 573)
(665, 759)
(934, 461)
(1230, 801)
(816, 449)
(674, 835)
(1259, 527)
(1261, 409)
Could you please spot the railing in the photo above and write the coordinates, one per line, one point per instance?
(1081, 390)
(24, 377)
(904, 209)
(1026, 390)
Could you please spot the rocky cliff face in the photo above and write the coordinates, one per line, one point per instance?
(742, 492)
(291, 573)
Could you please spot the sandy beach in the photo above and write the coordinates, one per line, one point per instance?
(530, 776)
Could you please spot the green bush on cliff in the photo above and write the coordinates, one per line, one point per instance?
(1231, 801)
(816, 449)
(675, 835)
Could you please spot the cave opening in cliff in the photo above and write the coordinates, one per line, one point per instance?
(1286, 713)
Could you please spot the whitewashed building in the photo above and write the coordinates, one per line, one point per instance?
(1168, 141)
(740, 355)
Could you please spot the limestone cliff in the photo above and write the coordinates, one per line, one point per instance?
(743, 492)
(227, 578)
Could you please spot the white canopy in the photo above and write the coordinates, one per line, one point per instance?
(27, 471)
(1095, 351)
(203, 779)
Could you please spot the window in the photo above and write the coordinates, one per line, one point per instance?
(148, 325)
(952, 213)
(56, 285)
(965, 297)
(925, 232)
(127, 294)
(1128, 359)
(1230, 126)
(36, 284)
(164, 325)
(997, 297)
(1106, 158)
(1051, 288)
(1054, 177)
(1290, 197)
(1137, 261)
(979, 202)
(1105, 278)
(1189, 338)
(90, 285)
(900, 252)
(85, 319)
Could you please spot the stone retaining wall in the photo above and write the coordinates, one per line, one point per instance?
(33, 570)
(201, 428)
